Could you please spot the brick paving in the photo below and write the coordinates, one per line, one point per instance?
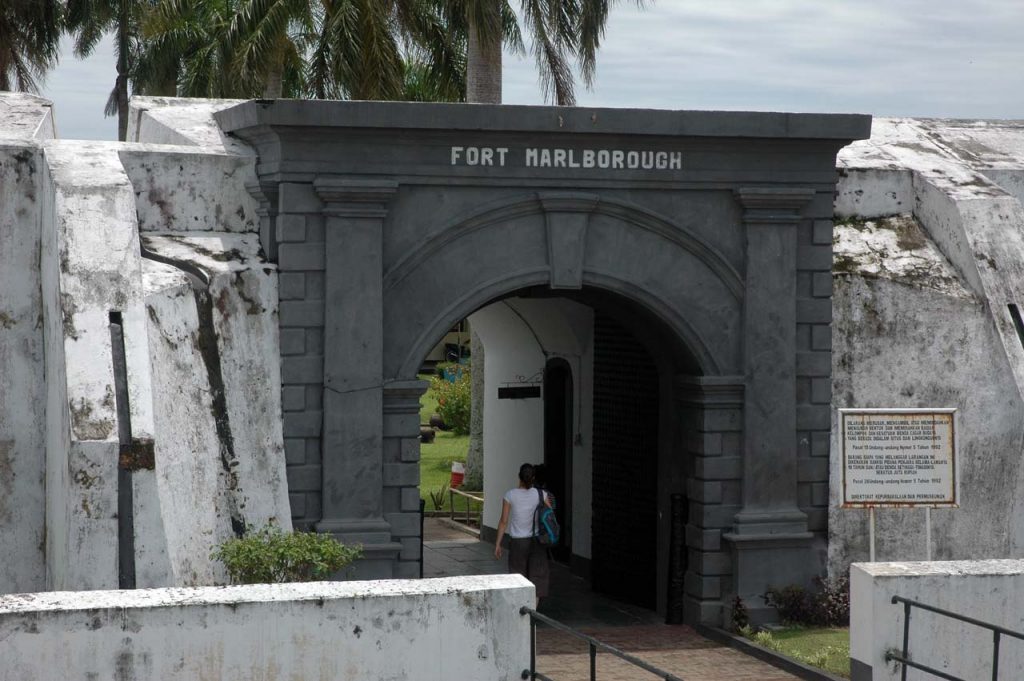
(678, 650)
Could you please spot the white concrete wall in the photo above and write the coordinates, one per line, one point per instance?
(188, 122)
(213, 478)
(25, 121)
(26, 117)
(520, 335)
(184, 189)
(908, 333)
(920, 319)
(95, 246)
(988, 590)
(94, 198)
(429, 630)
(22, 371)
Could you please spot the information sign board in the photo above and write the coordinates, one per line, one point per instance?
(899, 458)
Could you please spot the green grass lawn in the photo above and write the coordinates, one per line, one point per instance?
(825, 648)
(436, 457)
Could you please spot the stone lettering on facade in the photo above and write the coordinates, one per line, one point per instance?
(543, 157)
(899, 457)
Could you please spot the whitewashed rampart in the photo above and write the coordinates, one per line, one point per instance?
(987, 590)
(929, 254)
(429, 630)
(70, 227)
(27, 122)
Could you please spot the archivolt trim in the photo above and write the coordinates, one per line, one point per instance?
(461, 307)
(538, 203)
(694, 342)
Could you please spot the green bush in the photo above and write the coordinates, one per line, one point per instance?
(454, 397)
(828, 606)
(270, 556)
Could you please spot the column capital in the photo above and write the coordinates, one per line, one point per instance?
(346, 197)
(773, 205)
(266, 194)
(711, 392)
(403, 397)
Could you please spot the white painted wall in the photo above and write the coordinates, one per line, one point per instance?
(988, 590)
(96, 247)
(428, 630)
(519, 336)
(22, 371)
(197, 496)
(25, 121)
(920, 319)
(91, 196)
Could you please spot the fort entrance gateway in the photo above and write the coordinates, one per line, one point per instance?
(391, 222)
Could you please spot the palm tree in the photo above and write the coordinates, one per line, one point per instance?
(343, 48)
(29, 36)
(89, 21)
(185, 51)
(560, 31)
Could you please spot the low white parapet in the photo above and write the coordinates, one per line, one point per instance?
(991, 591)
(431, 629)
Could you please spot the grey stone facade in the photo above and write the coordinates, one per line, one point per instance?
(387, 230)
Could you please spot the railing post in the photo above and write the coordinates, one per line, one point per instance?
(593, 662)
(995, 656)
(533, 648)
(906, 639)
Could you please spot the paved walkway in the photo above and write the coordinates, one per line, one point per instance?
(677, 649)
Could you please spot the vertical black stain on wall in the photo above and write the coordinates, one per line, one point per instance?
(206, 345)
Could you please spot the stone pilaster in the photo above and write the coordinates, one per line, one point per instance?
(401, 471)
(769, 538)
(710, 409)
(353, 402)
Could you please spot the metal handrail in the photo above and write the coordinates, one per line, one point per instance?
(904, 658)
(468, 495)
(592, 642)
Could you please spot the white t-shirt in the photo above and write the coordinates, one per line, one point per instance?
(520, 518)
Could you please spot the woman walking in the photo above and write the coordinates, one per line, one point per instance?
(526, 556)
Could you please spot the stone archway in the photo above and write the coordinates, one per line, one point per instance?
(387, 230)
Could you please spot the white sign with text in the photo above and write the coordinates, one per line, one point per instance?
(899, 457)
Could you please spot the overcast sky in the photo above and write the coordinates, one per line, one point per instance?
(938, 58)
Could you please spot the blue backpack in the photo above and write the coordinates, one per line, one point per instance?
(545, 525)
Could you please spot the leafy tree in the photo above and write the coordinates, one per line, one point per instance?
(29, 36)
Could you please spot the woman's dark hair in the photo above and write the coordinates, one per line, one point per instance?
(526, 474)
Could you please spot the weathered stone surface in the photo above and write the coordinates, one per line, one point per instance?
(22, 359)
(430, 630)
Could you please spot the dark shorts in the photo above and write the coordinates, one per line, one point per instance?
(528, 558)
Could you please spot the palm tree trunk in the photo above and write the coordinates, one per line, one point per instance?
(475, 455)
(122, 107)
(274, 84)
(483, 67)
(121, 85)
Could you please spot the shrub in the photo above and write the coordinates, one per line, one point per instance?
(740, 617)
(829, 606)
(453, 389)
(272, 556)
(438, 498)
